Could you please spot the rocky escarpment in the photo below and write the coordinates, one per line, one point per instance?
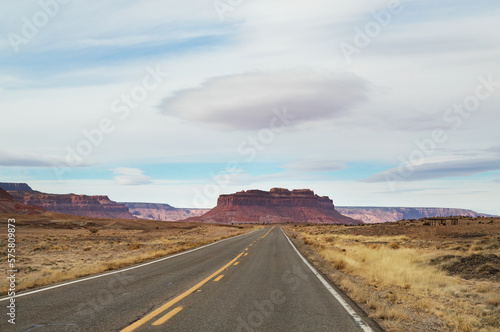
(80, 205)
(154, 211)
(276, 206)
(277, 197)
(15, 186)
(389, 214)
(9, 205)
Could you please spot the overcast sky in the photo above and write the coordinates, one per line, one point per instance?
(373, 103)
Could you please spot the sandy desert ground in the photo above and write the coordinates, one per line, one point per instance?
(53, 247)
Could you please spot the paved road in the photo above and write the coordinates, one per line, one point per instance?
(254, 282)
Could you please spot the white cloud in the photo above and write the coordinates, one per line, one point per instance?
(130, 176)
(246, 101)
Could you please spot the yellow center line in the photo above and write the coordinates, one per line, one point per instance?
(245, 254)
(170, 303)
(168, 316)
(219, 277)
(269, 231)
(236, 263)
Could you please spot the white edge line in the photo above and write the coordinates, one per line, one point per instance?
(123, 270)
(365, 327)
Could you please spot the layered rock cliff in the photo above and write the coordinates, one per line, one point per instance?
(389, 214)
(7, 186)
(154, 211)
(80, 205)
(276, 206)
(9, 205)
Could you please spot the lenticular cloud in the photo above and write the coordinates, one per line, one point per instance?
(246, 101)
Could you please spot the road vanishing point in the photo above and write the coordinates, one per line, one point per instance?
(252, 282)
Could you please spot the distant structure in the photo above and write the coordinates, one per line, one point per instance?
(436, 221)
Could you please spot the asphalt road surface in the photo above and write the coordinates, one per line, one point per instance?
(253, 282)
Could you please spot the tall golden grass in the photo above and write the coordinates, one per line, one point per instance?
(384, 266)
(395, 283)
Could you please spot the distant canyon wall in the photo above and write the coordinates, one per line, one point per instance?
(388, 214)
(155, 211)
(79, 205)
(277, 205)
(10, 205)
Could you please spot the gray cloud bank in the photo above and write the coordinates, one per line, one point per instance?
(245, 101)
(437, 170)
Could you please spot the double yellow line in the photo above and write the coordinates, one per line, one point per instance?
(269, 231)
(172, 302)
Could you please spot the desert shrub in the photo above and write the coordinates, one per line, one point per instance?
(394, 245)
(93, 230)
(476, 248)
(43, 246)
(372, 303)
(340, 264)
(134, 246)
(389, 313)
(483, 288)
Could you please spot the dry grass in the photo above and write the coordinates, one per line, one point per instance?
(49, 276)
(385, 266)
(394, 245)
(494, 300)
(392, 277)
